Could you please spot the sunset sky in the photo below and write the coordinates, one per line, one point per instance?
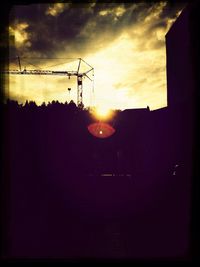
(123, 42)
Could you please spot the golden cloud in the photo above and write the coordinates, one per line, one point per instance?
(55, 9)
(116, 11)
(21, 36)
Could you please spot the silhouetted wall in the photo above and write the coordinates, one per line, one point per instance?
(60, 206)
(180, 67)
(182, 44)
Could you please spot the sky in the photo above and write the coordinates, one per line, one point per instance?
(123, 42)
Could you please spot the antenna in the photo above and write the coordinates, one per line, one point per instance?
(19, 63)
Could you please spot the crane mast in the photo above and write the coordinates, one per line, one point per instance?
(67, 73)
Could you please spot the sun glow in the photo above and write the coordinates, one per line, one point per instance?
(102, 112)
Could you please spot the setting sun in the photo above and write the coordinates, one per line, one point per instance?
(102, 112)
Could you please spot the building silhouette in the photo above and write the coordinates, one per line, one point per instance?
(182, 44)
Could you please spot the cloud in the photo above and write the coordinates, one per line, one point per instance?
(117, 11)
(124, 42)
(55, 9)
(81, 28)
(20, 34)
(121, 69)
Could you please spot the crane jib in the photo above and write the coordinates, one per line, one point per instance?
(44, 72)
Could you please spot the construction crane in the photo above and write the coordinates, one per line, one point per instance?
(77, 73)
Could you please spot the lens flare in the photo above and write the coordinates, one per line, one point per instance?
(101, 129)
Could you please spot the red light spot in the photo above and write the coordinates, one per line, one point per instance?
(101, 129)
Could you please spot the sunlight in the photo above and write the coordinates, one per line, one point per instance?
(129, 67)
(102, 112)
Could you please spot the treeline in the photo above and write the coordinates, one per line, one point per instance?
(49, 155)
(54, 138)
(32, 104)
(58, 133)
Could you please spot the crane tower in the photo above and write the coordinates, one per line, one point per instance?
(68, 73)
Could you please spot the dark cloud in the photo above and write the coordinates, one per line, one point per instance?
(172, 7)
(169, 11)
(48, 34)
(32, 12)
(81, 28)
